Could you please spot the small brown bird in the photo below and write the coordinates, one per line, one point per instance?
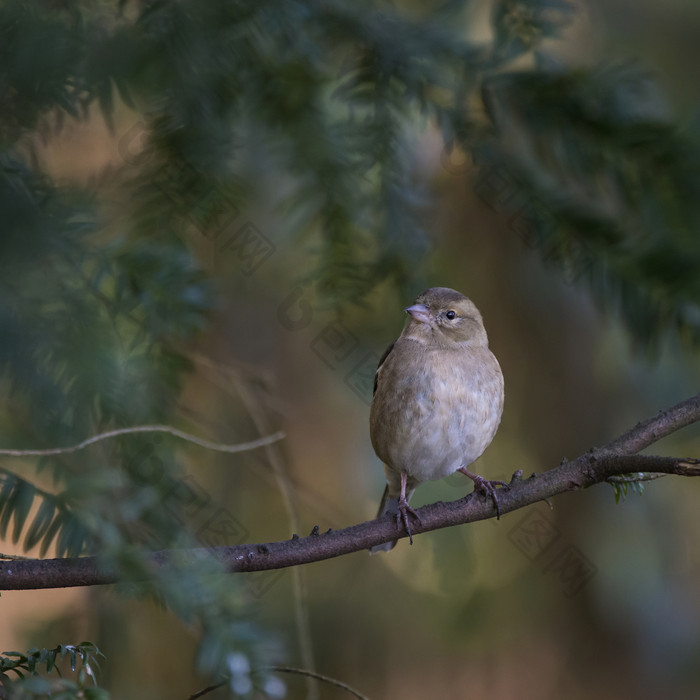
(438, 400)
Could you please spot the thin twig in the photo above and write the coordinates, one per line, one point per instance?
(288, 669)
(208, 444)
(319, 677)
(206, 691)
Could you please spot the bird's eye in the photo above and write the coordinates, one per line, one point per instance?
(450, 315)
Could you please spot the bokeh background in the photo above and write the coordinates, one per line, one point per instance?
(225, 240)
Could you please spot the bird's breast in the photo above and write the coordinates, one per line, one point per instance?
(434, 413)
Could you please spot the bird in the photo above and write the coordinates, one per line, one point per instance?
(437, 402)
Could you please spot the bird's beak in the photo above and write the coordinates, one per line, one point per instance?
(419, 312)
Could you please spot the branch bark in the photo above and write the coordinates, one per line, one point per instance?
(617, 457)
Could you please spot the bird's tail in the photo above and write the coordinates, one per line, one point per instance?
(388, 504)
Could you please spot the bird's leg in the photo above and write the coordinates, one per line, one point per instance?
(487, 488)
(405, 509)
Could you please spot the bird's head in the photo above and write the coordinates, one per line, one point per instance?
(445, 317)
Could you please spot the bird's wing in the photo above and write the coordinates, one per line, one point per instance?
(379, 366)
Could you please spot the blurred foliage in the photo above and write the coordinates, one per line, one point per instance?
(611, 185)
(31, 685)
(100, 301)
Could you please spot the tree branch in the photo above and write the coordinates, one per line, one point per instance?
(595, 466)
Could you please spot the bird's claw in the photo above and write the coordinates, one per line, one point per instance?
(488, 489)
(402, 517)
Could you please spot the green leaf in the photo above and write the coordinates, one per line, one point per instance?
(71, 537)
(41, 523)
(50, 660)
(53, 529)
(7, 497)
(22, 506)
